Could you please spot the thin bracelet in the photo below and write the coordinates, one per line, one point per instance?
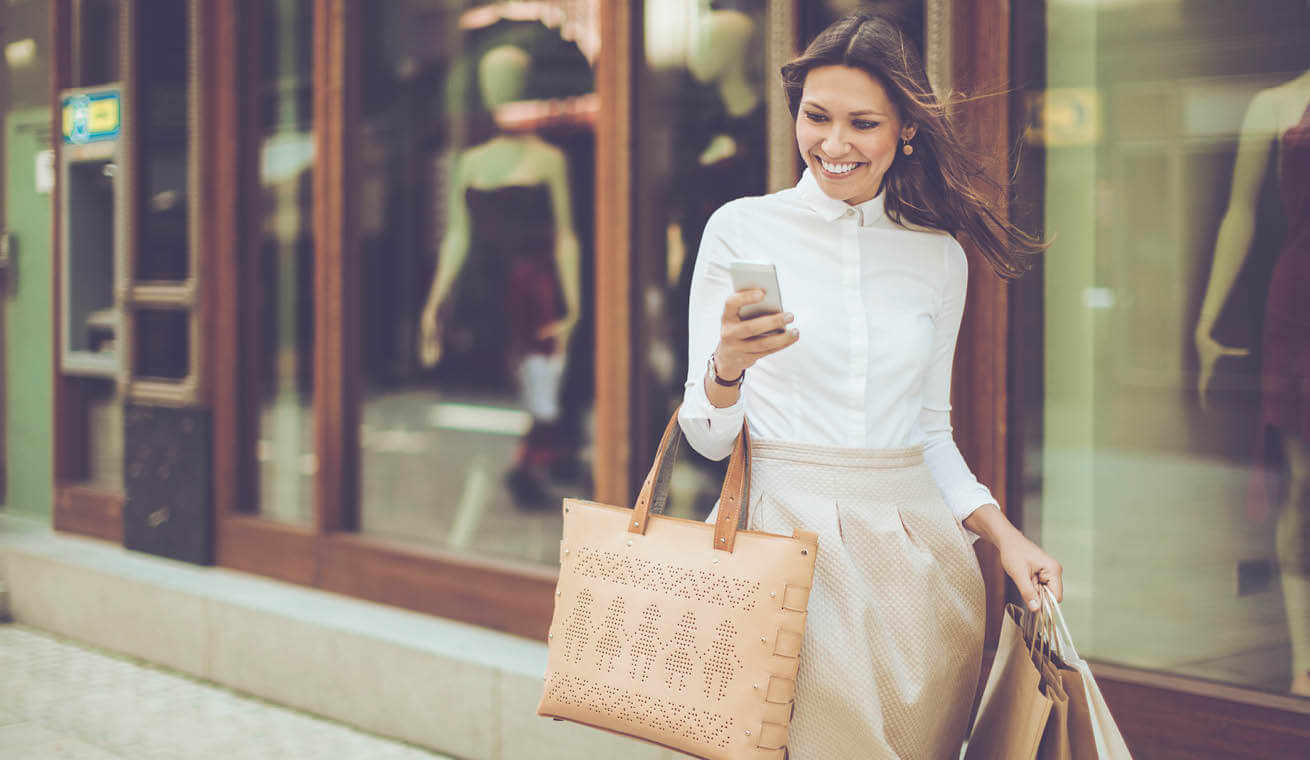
(714, 370)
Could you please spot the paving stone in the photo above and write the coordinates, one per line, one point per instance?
(68, 702)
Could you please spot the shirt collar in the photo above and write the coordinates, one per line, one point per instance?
(830, 209)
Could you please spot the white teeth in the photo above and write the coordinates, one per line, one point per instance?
(837, 168)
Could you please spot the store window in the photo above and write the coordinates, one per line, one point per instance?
(473, 202)
(278, 120)
(1162, 392)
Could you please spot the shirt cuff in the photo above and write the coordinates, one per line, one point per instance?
(966, 501)
(710, 429)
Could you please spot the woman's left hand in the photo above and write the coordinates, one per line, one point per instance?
(1028, 565)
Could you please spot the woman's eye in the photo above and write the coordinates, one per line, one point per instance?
(817, 118)
(861, 124)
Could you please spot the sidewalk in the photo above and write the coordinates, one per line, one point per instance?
(60, 700)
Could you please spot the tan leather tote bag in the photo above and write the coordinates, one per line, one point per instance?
(678, 632)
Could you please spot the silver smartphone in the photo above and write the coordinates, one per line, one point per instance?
(747, 275)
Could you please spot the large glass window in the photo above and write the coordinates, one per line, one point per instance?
(1164, 391)
(280, 252)
(473, 206)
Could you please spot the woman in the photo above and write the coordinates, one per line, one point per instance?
(851, 425)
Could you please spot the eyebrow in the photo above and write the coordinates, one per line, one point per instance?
(865, 112)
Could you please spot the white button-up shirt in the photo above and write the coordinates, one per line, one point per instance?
(878, 307)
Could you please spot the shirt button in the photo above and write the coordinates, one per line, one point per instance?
(850, 212)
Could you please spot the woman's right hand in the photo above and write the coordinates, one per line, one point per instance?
(743, 342)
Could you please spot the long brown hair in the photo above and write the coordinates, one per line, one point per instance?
(937, 186)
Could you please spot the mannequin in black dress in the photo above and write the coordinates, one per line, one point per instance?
(511, 208)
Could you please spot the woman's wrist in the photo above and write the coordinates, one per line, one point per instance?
(992, 525)
(724, 367)
(720, 396)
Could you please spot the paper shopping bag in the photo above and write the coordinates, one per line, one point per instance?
(1015, 705)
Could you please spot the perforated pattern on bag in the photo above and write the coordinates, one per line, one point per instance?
(722, 664)
(577, 628)
(681, 720)
(655, 647)
(610, 643)
(681, 655)
(646, 646)
(658, 577)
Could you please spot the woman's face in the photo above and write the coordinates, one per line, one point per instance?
(848, 132)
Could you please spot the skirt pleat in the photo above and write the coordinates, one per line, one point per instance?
(894, 633)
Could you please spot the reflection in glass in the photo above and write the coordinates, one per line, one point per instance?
(25, 36)
(97, 42)
(91, 318)
(283, 281)
(162, 343)
(163, 59)
(700, 127)
(1169, 354)
(474, 214)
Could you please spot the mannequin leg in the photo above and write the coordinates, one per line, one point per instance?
(1293, 540)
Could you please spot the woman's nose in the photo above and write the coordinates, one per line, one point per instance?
(834, 143)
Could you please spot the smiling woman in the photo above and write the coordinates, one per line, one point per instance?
(847, 132)
(851, 425)
(865, 63)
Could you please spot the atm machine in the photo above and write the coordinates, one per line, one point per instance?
(91, 244)
(130, 326)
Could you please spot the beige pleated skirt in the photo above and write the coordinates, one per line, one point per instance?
(894, 634)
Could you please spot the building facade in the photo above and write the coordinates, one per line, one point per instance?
(350, 294)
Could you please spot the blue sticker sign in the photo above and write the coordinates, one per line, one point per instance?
(91, 117)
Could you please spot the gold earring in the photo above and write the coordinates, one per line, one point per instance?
(907, 149)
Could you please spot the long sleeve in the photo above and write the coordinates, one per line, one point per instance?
(961, 490)
(710, 430)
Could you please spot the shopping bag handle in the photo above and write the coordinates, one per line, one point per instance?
(1063, 638)
(733, 498)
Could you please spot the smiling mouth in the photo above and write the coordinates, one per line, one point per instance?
(838, 167)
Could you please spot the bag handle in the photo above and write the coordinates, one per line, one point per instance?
(733, 499)
(1063, 637)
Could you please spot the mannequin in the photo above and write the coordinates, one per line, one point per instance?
(1278, 118)
(719, 148)
(718, 58)
(510, 199)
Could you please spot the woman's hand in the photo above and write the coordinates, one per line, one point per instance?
(1208, 351)
(1024, 561)
(744, 342)
(1028, 565)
